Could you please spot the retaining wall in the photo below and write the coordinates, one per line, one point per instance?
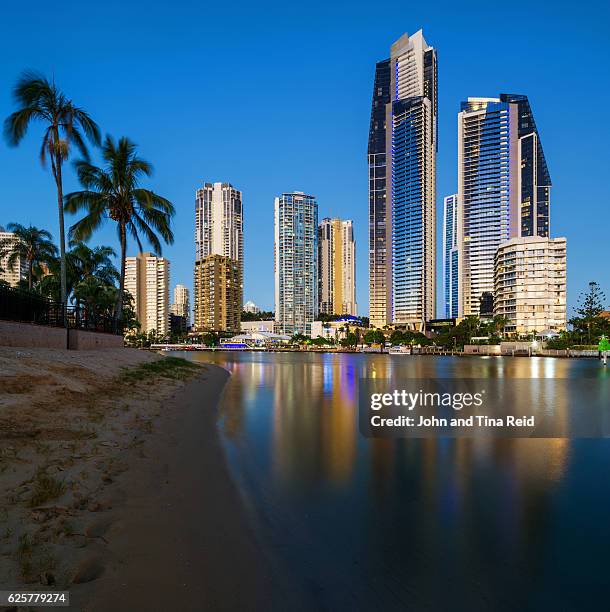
(28, 335)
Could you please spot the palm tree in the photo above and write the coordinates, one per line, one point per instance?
(39, 99)
(82, 263)
(92, 263)
(30, 244)
(113, 191)
(499, 323)
(95, 295)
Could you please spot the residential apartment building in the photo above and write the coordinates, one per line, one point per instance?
(503, 188)
(219, 230)
(181, 306)
(530, 284)
(336, 267)
(218, 294)
(147, 280)
(296, 262)
(11, 275)
(402, 185)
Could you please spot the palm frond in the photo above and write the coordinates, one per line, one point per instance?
(83, 229)
(90, 128)
(76, 138)
(148, 232)
(93, 201)
(16, 124)
(134, 234)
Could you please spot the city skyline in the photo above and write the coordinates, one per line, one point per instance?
(499, 74)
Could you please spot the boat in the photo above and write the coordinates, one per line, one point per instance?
(399, 350)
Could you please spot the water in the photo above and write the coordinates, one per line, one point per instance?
(429, 524)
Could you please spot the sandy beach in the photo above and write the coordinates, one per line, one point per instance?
(114, 486)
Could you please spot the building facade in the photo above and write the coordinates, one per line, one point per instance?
(336, 267)
(147, 280)
(254, 326)
(219, 225)
(251, 307)
(450, 256)
(503, 188)
(11, 275)
(402, 185)
(181, 305)
(296, 262)
(218, 294)
(530, 284)
(219, 230)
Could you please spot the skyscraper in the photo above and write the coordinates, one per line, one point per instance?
(402, 185)
(534, 180)
(219, 227)
(181, 305)
(147, 280)
(503, 188)
(296, 261)
(450, 256)
(218, 231)
(336, 267)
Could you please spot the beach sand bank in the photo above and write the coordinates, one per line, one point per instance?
(114, 486)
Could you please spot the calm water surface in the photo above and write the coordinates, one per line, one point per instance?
(430, 524)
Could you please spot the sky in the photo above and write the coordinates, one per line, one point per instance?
(275, 97)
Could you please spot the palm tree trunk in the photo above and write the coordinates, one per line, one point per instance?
(30, 273)
(119, 301)
(62, 231)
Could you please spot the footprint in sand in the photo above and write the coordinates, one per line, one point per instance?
(88, 570)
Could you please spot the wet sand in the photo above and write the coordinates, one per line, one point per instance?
(181, 537)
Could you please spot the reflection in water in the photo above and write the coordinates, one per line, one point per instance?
(426, 523)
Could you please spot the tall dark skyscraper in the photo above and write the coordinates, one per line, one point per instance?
(534, 177)
(503, 188)
(379, 258)
(402, 185)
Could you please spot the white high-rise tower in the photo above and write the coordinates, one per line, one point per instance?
(402, 185)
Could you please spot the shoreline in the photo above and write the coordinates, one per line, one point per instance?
(187, 348)
(181, 535)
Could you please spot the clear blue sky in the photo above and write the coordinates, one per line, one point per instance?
(276, 96)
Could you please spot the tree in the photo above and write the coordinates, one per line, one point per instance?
(95, 295)
(263, 315)
(499, 323)
(591, 303)
(31, 244)
(589, 308)
(397, 337)
(350, 340)
(40, 100)
(82, 264)
(113, 191)
(93, 263)
(374, 336)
